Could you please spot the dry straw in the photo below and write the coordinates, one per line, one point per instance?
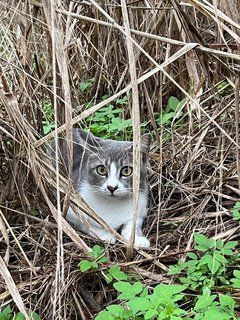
(155, 50)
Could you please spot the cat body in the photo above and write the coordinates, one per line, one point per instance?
(102, 174)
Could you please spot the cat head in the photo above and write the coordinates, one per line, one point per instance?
(109, 169)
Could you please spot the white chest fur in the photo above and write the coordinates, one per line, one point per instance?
(116, 211)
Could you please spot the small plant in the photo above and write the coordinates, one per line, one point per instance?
(202, 271)
(173, 110)
(209, 267)
(108, 123)
(86, 85)
(8, 314)
(139, 304)
(96, 258)
(236, 211)
(48, 117)
(216, 306)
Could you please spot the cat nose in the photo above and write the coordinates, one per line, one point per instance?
(112, 189)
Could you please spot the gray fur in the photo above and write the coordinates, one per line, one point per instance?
(89, 152)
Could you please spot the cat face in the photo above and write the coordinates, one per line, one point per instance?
(110, 168)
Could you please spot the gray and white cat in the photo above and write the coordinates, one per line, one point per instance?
(102, 174)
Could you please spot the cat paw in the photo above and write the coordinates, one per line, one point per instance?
(105, 236)
(141, 242)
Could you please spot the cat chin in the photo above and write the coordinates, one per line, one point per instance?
(116, 195)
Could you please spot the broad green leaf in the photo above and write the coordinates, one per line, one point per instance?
(139, 304)
(226, 301)
(213, 265)
(127, 290)
(203, 243)
(236, 281)
(116, 310)
(117, 274)
(172, 104)
(230, 245)
(19, 316)
(85, 265)
(192, 256)
(105, 315)
(35, 316)
(150, 314)
(137, 287)
(205, 300)
(215, 313)
(103, 260)
(236, 273)
(205, 260)
(219, 244)
(6, 313)
(165, 118)
(122, 286)
(96, 251)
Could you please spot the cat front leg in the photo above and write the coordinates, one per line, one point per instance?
(98, 230)
(102, 234)
(140, 240)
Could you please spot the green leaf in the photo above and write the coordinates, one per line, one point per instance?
(204, 300)
(86, 86)
(19, 316)
(236, 281)
(230, 245)
(103, 260)
(97, 251)
(192, 256)
(35, 316)
(122, 101)
(236, 273)
(139, 304)
(85, 265)
(202, 242)
(226, 301)
(150, 314)
(105, 315)
(219, 244)
(165, 118)
(127, 290)
(116, 310)
(117, 274)
(6, 314)
(172, 104)
(213, 265)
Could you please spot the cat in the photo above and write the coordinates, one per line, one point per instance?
(103, 175)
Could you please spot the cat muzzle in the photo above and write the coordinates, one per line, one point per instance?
(112, 189)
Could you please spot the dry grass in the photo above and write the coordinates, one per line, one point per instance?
(171, 49)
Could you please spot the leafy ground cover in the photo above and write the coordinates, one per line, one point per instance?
(67, 64)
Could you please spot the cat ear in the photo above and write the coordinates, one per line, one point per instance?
(87, 140)
(145, 142)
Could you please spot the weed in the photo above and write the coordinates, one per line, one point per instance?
(48, 117)
(173, 111)
(108, 123)
(96, 258)
(236, 211)
(208, 269)
(8, 314)
(170, 302)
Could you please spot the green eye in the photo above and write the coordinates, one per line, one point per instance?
(126, 171)
(101, 170)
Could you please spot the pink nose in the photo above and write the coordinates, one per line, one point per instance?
(112, 189)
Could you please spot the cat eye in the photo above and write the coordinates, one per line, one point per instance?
(101, 170)
(126, 171)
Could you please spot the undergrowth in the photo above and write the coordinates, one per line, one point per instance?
(109, 122)
(203, 291)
